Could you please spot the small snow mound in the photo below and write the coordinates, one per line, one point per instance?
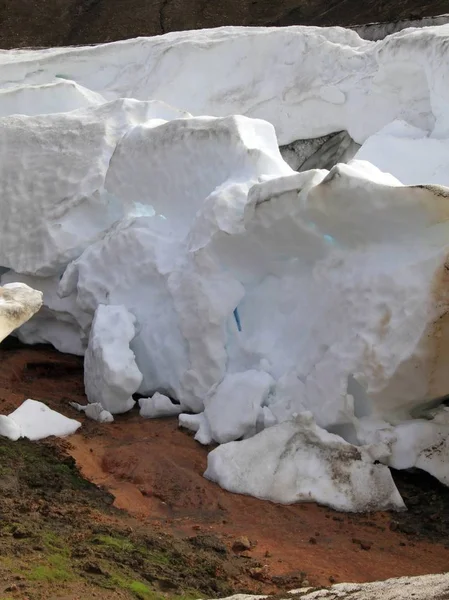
(297, 461)
(36, 421)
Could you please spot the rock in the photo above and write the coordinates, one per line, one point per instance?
(209, 542)
(259, 573)
(93, 568)
(241, 544)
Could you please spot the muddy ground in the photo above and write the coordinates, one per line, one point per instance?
(121, 510)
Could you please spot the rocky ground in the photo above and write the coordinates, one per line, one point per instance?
(121, 510)
(62, 22)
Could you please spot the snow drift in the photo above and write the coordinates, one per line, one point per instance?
(146, 195)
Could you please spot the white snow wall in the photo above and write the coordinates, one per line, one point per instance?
(146, 174)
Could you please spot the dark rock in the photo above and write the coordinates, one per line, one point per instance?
(25, 23)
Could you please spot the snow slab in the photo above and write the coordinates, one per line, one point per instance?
(35, 421)
(409, 153)
(158, 406)
(307, 81)
(110, 372)
(297, 461)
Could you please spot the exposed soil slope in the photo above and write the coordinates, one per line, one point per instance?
(178, 531)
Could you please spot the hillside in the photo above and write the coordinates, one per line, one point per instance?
(25, 23)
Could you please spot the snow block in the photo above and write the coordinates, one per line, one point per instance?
(297, 461)
(111, 375)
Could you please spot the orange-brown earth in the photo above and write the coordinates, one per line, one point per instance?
(154, 471)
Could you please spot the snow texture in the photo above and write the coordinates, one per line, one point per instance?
(158, 406)
(35, 421)
(144, 190)
(110, 372)
(297, 461)
(18, 303)
(423, 587)
(94, 411)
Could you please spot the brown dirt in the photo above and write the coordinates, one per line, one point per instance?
(154, 471)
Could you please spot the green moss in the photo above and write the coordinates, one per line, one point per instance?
(55, 544)
(49, 573)
(58, 569)
(140, 589)
(158, 558)
(117, 543)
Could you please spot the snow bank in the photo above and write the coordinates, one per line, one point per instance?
(35, 421)
(307, 81)
(148, 199)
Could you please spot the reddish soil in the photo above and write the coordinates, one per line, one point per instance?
(154, 470)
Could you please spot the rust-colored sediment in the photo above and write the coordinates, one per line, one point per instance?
(155, 472)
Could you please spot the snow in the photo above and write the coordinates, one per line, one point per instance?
(18, 303)
(408, 153)
(35, 421)
(297, 461)
(232, 408)
(144, 192)
(94, 411)
(158, 406)
(111, 375)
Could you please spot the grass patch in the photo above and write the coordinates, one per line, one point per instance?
(48, 574)
(139, 589)
(54, 543)
(159, 558)
(116, 543)
(57, 570)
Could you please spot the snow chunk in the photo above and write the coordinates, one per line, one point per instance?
(158, 406)
(419, 443)
(94, 411)
(233, 406)
(297, 461)
(9, 428)
(18, 303)
(111, 375)
(35, 421)
(63, 158)
(408, 153)
(59, 322)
